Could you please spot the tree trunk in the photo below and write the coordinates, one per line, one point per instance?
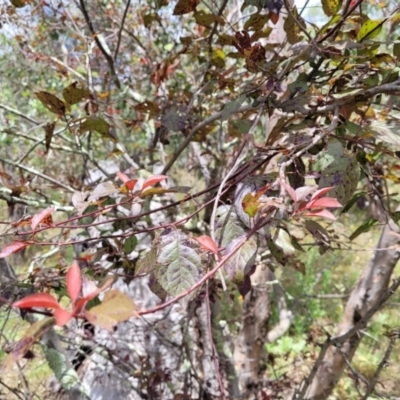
(373, 282)
(249, 354)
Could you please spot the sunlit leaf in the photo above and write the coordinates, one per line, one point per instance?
(283, 240)
(250, 205)
(331, 7)
(370, 29)
(115, 307)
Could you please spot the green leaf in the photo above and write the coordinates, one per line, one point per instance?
(277, 252)
(51, 102)
(365, 227)
(179, 266)
(331, 7)
(343, 173)
(232, 107)
(332, 21)
(147, 263)
(352, 201)
(291, 28)
(333, 151)
(256, 21)
(206, 19)
(370, 29)
(238, 266)
(98, 125)
(130, 244)
(227, 226)
(73, 94)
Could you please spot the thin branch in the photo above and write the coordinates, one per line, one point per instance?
(201, 125)
(207, 276)
(106, 54)
(392, 340)
(121, 29)
(31, 202)
(338, 340)
(39, 174)
(19, 114)
(212, 345)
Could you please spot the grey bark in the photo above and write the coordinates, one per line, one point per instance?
(249, 348)
(372, 283)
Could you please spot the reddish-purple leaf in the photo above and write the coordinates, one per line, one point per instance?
(131, 184)
(153, 180)
(74, 281)
(324, 202)
(290, 190)
(12, 248)
(321, 192)
(123, 177)
(43, 216)
(322, 214)
(62, 316)
(44, 300)
(208, 243)
(82, 302)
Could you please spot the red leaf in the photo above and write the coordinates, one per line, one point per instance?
(152, 181)
(82, 302)
(74, 281)
(131, 184)
(208, 243)
(123, 177)
(321, 213)
(290, 190)
(41, 218)
(321, 192)
(44, 300)
(12, 248)
(324, 202)
(62, 316)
